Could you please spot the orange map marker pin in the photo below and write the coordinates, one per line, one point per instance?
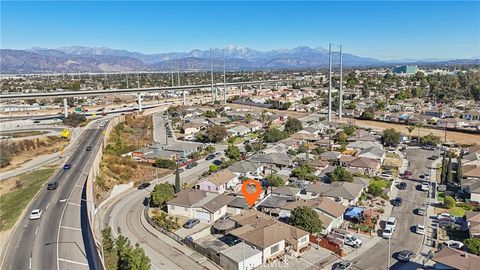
(251, 197)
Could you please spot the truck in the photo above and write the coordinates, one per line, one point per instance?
(347, 237)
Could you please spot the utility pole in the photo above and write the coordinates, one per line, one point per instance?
(214, 98)
(126, 76)
(171, 69)
(138, 81)
(224, 80)
(178, 71)
(340, 91)
(330, 83)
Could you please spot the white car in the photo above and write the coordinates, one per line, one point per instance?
(36, 214)
(445, 217)
(425, 186)
(387, 232)
(453, 244)
(420, 229)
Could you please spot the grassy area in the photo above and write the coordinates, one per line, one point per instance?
(380, 182)
(392, 155)
(440, 196)
(457, 211)
(13, 202)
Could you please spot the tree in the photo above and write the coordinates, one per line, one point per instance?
(131, 257)
(391, 137)
(166, 163)
(473, 245)
(293, 125)
(215, 133)
(213, 168)
(430, 139)
(444, 169)
(449, 202)
(272, 135)
(307, 219)
(303, 172)
(210, 114)
(349, 130)
(109, 250)
(341, 137)
(161, 193)
(74, 119)
(410, 130)
(449, 170)
(341, 174)
(374, 189)
(459, 175)
(367, 115)
(274, 180)
(178, 187)
(232, 152)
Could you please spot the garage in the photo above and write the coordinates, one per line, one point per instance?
(204, 216)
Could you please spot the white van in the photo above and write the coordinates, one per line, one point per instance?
(347, 237)
(392, 222)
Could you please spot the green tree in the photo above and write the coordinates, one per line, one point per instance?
(449, 202)
(391, 137)
(166, 163)
(232, 152)
(459, 175)
(213, 168)
(130, 258)
(444, 169)
(341, 174)
(449, 170)
(349, 130)
(161, 193)
(303, 172)
(375, 189)
(216, 133)
(293, 125)
(210, 114)
(410, 130)
(109, 250)
(272, 135)
(473, 245)
(307, 219)
(74, 119)
(274, 180)
(367, 115)
(430, 139)
(178, 186)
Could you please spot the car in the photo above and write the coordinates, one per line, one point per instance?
(425, 186)
(36, 122)
(89, 148)
(397, 201)
(191, 165)
(218, 154)
(217, 162)
(36, 214)
(191, 223)
(210, 157)
(453, 244)
(67, 166)
(343, 265)
(143, 185)
(405, 255)
(421, 211)
(386, 176)
(434, 157)
(52, 185)
(445, 217)
(392, 222)
(387, 232)
(407, 174)
(420, 229)
(181, 170)
(428, 147)
(402, 186)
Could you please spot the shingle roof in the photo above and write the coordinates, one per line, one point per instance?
(188, 197)
(221, 177)
(457, 259)
(240, 252)
(376, 151)
(344, 190)
(272, 158)
(363, 162)
(244, 166)
(218, 202)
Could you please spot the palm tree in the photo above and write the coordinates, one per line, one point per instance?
(419, 125)
(410, 129)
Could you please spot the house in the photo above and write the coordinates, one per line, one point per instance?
(330, 156)
(360, 145)
(286, 191)
(219, 182)
(240, 257)
(373, 152)
(272, 237)
(471, 171)
(239, 130)
(192, 128)
(247, 169)
(471, 115)
(435, 113)
(343, 192)
(450, 258)
(206, 206)
(280, 160)
(471, 187)
(367, 166)
(473, 221)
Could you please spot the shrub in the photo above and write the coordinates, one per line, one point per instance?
(166, 163)
(449, 202)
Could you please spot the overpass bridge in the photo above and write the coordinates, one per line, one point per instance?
(139, 91)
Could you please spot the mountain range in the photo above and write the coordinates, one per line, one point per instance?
(102, 59)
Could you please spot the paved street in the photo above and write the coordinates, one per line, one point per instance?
(404, 237)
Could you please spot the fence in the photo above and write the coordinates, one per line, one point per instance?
(160, 229)
(205, 252)
(323, 242)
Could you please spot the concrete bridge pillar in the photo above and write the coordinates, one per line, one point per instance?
(241, 89)
(276, 86)
(184, 98)
(65, 107)
(139, 102)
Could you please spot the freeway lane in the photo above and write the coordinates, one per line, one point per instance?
(38, 244)
(404, 236)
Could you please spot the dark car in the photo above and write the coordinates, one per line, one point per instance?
(397, 201)
(181, 170)
(421, 211)
(52, 185)
(343, 265)
(191, 223)
(36, 122)
(210, 157)
(217, 162)
(67, 166)
(405, 255)
(89, 148)
(191, 165)
(402, 186)
(144, 185)
(433, 157)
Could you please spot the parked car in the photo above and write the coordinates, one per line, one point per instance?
(191, 223)
(397, 201)
(420, 229)
(425, 186)
(405, 255)
(392, 222)
(347, 238)
(402, 186)
(217, 162)
(453, 244)
(210, 157)
(445, 217)
(428, 147)
(191, 165)
(36, 214)
(386, 176)
(67, 166)
(343, 265)
(421, 211)
(181, 170)
(387, 232)
(144, 185)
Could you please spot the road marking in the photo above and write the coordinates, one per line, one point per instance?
(79, 186)
(63, 200)
(30, 264)
(71, 228)
(46, 207)
(36, 231)
(76, 204)
(74, 262)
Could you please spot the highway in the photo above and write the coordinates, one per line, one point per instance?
(125, 212)
(58, 240)
(404, 237)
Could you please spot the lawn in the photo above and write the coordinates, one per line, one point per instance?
(380, 182)
(457, 211)
(13, 202)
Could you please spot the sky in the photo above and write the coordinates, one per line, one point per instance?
(383, 30)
